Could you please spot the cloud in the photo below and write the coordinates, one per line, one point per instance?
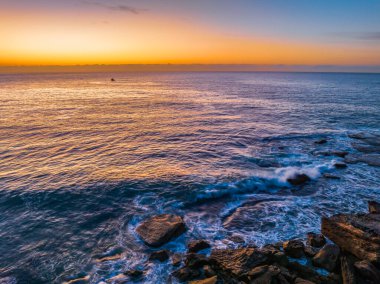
(115, 7)
(370, 36)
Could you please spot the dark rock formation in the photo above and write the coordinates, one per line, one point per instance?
(210, 280)
(358, 234)
(316, 240)
(195, 260)
(134, 273)
(294, 248)
(160, 255)
(298, 179)
(195, 246)
(160, 229)
(368, 271)
(340, 165)
(186, 274)
(176, 259)
(327, 257)
(347, 268)
(310, 251)
(374, 207)
(321, 141)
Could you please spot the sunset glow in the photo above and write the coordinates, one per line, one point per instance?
(131, 32)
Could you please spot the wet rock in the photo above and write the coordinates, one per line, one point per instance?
(210, 280)
(264, 274)
(315, 240)
(186, 274)
(298, 179)
(160, 229)
(327, 257)
(310, 251)
(195, 246)
(237, 239)
(374, 207)
(294, 248)
(307, 273)
(8, 280)
(358, 234)
(176, 259)
(340, 154)
(275, 255)
(321, 141)
(195, 260)
(160, 255)
(134, 273)
(347, 268)
(236, 263)
(365, 148)
(330, 176)
(208, 271)
(369, 159)
(340, 165)
(368, 271)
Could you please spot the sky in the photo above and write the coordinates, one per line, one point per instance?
(260, 32)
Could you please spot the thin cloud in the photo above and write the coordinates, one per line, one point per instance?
(119, 7)
(370, 36)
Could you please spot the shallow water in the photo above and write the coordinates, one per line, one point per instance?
(84, 159)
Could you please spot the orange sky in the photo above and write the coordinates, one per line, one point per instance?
(69, 38)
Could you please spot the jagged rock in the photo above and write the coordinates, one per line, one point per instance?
(307, 273)
(176, 259)
(195, 246)
(264, 274)
(275, 255)
(186, 274)
(315, 240)
(294, 248)
(327, 257)
(208, 271)
(374, 207)
(195, 260)
(210, 280)
(347, 268)
(160, 255)
(298, 179)
(368, 271)
(330, 176)
(236, 263)
(340, 165)
(310, 251)
(358, 234)
(160, 229)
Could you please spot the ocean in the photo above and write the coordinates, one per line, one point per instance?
(84, 159)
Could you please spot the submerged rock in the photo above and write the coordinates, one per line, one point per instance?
(160, 255)
(321, 141)
(298, 179)
(327, 257)
(340, 165)
(195, 246)
(358, 234)
(294, 248)
(316, 240)
(160, 229)
(330, 176)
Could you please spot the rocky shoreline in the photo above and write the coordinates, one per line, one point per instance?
(347, 251)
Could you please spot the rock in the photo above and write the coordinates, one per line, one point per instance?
(264, 274)
(134, 273)
(327, 257)
(176, 259)
(275, 255)
(307, 273)
(316, 240)
(160, 255)
(373, 207)
(365, 148)
(368, 271)
(160, 229)
(298, 179)
(195, 246)
(310, 251)
(208, 271)
(186, 274)
(302, 281)
(294, 248)
(358, 234)
(210, 280)
(330, 176)
(340, 165)
(236, 263)
(8, 280)
(347, 268)
(237, 239)
(369, 159)
(195, 260)
(340, 154)
(321, 141)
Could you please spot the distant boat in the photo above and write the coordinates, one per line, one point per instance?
(113, 80)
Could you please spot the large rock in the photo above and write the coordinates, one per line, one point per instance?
(160, 229)
(327, 257)
(236, 263)
(368, 271)
(294, 248)
(358, 234)
(347, 268)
